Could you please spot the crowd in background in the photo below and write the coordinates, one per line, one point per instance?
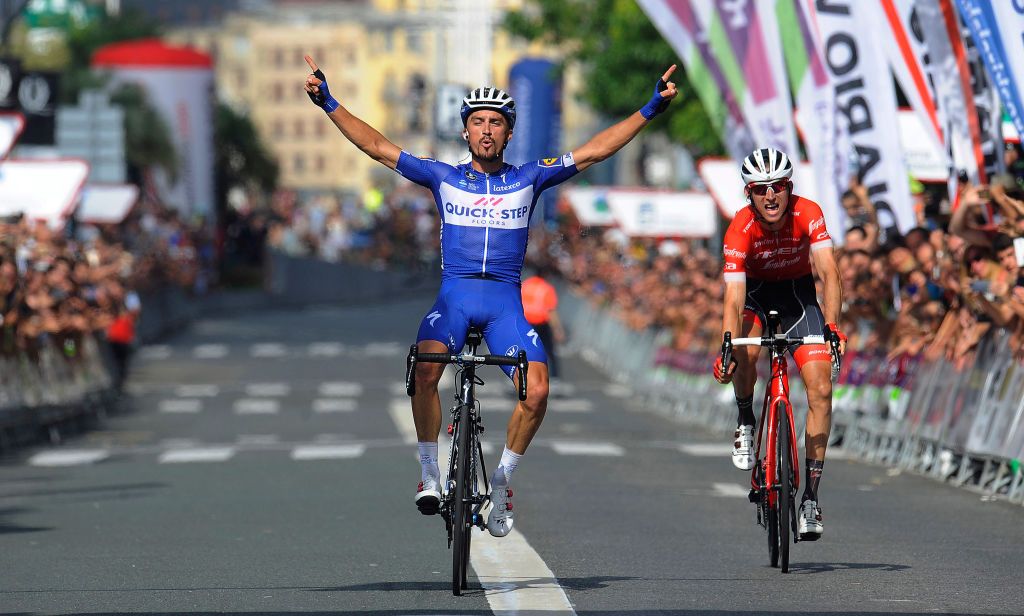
(58, 287)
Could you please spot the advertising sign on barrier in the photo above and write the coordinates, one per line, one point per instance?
(107, 203)
(590, 204)
(41, 189)
(643, 213)
(11, 125)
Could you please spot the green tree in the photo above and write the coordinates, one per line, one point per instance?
(240, 157)
(83, 42)
(622, 54)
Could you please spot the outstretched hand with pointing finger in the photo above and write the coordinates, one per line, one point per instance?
(316, 88)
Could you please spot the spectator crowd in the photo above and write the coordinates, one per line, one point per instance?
(58, 288)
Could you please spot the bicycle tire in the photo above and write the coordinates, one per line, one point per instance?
(785, 496)
(460, 518)
(773, 534)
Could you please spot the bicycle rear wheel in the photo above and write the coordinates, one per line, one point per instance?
(461, 526)
(772, 515)
(785, 496)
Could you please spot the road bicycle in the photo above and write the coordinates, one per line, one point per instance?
(775, 479)
(462, 497)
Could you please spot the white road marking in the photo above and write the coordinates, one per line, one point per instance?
(570, 406)
(178, 443)
(707, 450)
(68, 457)
(155, 352)
(326, 349)
(196, 454)
(342, 389)
(197, 391)
(268, 349)
(733, 490)
(334, 405)
(184, 405)
(488, 448)
(383, 349)
(575, 448)
(210, 351)
(268, 390)
(258, 439)
(400, 410)
(327, 452)
(397, 389)
(616, 390)
(515, 578)
(256, 406)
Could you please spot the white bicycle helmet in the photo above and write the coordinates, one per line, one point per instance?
(766, 165)
(489, 98)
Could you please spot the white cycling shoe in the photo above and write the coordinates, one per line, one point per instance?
(809, 523)
(428, 497)
(743, 448)
(499, 520)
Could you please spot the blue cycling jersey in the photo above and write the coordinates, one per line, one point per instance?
(485, 217)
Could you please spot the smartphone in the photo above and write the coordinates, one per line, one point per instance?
(979, 286)
(1018, 249)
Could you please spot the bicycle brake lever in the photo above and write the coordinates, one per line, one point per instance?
(522, 367)
(410, 371)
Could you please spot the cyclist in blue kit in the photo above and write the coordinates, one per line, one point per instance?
(485, 207)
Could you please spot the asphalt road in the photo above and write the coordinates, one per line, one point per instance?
(265, 469)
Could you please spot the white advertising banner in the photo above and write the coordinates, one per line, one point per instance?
(925, 161)
(107, 203)
(44, 190)
(867, 99)
(11, 125)
(648, 213)
(590, 204)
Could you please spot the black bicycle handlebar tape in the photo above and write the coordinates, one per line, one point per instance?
(521, 367)
(726, 350)
(410, 371)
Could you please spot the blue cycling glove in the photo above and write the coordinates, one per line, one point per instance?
(323, 98)
(657, 104)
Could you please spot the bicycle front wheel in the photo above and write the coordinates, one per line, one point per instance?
(785, 496)
(461, 524)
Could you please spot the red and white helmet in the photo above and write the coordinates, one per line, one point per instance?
(766, 165)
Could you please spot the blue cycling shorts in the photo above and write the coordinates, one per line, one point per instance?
(495, 307)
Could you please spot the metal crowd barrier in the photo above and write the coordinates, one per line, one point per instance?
(41, 394)
(963, 425)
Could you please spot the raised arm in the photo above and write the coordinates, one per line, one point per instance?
(612, 139)
(361, 134)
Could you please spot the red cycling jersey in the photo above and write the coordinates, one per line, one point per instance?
(774, 255)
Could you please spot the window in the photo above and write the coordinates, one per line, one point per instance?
(278, 129)
(278, 91)
(299, 163)
(413, 41)
(321, 163)
(300, 129)
(278, 55)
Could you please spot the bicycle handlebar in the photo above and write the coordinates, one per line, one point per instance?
(728, 342)
(520, 363)
(769, 341)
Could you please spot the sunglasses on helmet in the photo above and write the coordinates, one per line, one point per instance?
(762, 189)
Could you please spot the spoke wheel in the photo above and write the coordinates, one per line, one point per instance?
(461, 526)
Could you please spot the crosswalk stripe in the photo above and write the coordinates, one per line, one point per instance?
(178, 443)
(210, 351)
(182, 405)
(267, 390)
(570, 406)
(257, 406)
(383, 349)
(268, 349)
(196, 454)
(326, 349)
(155, 352)
(196, 391)
(340, 389)
(401, 413)
(573, 448)
(68, 457)
(615, 390)
(257, 439)
(706, 450)
(733, 490)
(334, 405)
(327, 452)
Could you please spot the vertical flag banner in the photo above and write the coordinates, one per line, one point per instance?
(998, 32)
(978, 86)
(744, 38)
(678, 24)
(906, 51)
(823, 134)
(866, 99)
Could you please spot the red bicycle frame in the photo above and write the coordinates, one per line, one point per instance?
(776, 397)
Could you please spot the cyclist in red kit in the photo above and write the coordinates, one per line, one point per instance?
(769, 250)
